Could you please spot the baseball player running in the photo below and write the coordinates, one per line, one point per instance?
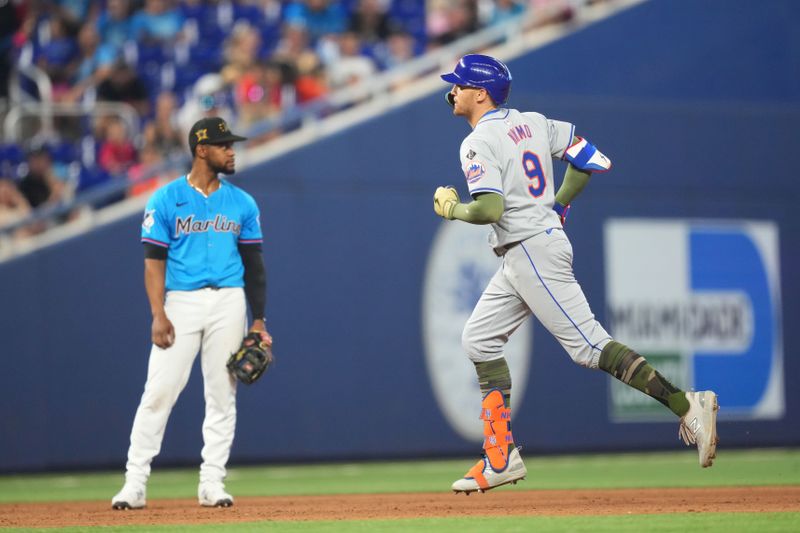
(202, 246)
(507, 162)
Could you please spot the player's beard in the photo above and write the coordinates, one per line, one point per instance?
(224, 169)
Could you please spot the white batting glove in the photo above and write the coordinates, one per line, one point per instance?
(445, 199)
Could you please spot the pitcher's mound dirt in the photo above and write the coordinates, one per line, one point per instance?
(393, 506)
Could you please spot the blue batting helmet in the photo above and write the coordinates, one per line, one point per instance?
(484, 72)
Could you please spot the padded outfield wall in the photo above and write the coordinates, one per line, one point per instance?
(687, 250)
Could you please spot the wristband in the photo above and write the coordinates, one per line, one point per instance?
(562, 211)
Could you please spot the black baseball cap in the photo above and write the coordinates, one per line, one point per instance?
(211, 130)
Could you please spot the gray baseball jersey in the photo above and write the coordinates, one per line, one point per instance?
(511, 153)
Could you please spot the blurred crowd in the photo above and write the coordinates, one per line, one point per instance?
(175, 61)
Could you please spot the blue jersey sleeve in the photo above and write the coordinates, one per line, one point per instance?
(251, 223)
(155, 225)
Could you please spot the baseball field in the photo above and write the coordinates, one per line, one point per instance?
(746, 490)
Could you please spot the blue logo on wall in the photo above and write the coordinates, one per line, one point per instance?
(730, 261)
(702, 301)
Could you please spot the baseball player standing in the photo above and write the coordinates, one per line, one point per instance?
(202, 245)
(507, 162)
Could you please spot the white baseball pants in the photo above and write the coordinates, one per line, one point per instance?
(535, 277)
(212, 321)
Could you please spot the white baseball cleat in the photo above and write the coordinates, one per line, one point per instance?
(699, 425)
(483, 477)
(212, 494)
(132, 496)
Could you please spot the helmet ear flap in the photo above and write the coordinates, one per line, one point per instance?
(450, 99)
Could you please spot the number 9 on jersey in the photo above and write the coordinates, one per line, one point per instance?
(533, 169)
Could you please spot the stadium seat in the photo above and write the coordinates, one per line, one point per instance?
(11, 153)
(207, 55)
(63, 151)
(91, 177)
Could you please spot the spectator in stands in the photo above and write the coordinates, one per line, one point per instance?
(26, 34)
(123, 84)
(271, 13)
(58, 57)
(310, 81)
(114, 24)
(159, 23)
(294, 43)
(145, 176)
(551, 11)
(318, 17)
(371, 22)
(40, 185)
(436, 19)
(241, 52)
(117, 153)
(350, 67)
(399, 50)
(14, 207)
(163, 133)
(73, 13)
(259, 93)
(505, 10)
(302, 66)
(210, 98)
(450, 20)
(10, 21)
(96, 62)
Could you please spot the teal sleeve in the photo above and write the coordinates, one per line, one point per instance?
(573, 183)
(486, 209)
(155, 225)
(251, 223)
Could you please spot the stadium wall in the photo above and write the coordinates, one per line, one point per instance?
(687, 250)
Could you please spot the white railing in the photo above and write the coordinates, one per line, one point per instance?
(48, 111)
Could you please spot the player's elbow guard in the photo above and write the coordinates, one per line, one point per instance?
(585, 156)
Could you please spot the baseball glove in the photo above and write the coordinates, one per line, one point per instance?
(252, 359)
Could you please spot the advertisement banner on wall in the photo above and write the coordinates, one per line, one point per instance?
(701, 300)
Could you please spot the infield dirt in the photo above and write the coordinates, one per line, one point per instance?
(411, 505)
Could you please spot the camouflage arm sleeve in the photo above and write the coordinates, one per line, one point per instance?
(572, 185)
(486, 209)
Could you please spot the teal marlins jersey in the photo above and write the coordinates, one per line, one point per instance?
(201, 234)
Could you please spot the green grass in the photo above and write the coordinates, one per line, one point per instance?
(678, 469)
(707, 522)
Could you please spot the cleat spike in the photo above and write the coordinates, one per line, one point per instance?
(132, 496)
(212, 494)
